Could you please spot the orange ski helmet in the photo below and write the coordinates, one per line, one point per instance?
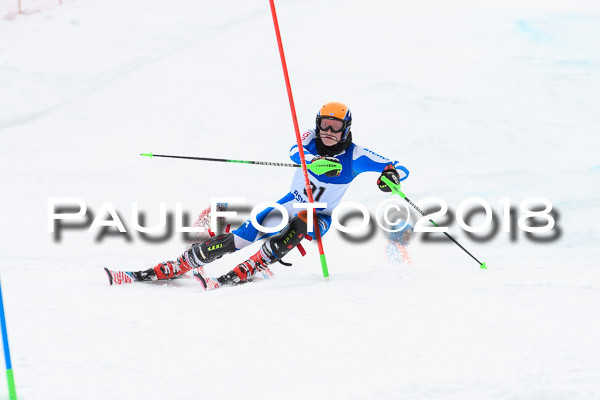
(335, 116)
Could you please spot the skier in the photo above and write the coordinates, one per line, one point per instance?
(330, 140)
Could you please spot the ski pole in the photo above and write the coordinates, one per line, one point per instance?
(319, 167)
(396, 190)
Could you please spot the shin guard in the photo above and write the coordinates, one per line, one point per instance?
(289, 237)
(211, 249)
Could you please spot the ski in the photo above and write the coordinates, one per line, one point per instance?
(211, 283)
(206, 282)
(119, 277)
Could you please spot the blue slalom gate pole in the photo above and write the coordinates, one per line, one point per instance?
(12, 392)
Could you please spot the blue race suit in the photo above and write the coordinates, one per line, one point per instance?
(355, 160)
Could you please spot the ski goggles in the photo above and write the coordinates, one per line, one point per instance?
(336, 125)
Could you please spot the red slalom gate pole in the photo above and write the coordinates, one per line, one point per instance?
(299, 140)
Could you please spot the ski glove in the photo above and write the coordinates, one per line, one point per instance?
(390, 173)
(331, 173)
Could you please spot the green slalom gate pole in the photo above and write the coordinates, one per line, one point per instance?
(12, 392)
(396, 190)
(319, 167)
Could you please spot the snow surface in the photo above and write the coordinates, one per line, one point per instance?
(489, 101)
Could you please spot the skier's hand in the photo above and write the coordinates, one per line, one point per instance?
(390, 173)
(333, 172)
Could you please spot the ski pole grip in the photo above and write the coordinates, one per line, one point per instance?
(395, 187)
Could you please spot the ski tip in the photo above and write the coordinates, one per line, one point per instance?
(110, 278)
(198, 276)
(483, 266)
